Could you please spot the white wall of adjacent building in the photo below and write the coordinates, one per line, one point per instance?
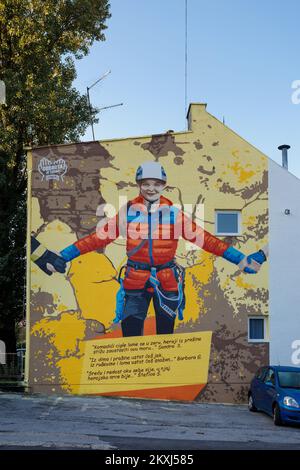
(284, 266)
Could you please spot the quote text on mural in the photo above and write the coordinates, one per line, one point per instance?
(147, 361)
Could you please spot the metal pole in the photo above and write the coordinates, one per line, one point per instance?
(111, 106)
(89, 101)
(101, 78)
(90, 110)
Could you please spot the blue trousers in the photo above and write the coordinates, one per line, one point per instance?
(136, 309)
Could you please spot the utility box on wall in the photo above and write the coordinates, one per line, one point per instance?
(74, 345)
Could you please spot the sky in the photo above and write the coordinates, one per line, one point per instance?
(243, 58)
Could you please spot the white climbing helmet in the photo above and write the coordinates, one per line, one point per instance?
(152, 170)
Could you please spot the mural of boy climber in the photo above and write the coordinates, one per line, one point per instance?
(152, 226)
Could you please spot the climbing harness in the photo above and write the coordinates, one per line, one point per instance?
(179, 298)
(179, 273)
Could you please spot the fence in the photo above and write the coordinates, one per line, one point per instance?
(12, 366)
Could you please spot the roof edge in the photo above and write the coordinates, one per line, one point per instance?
(147, 136)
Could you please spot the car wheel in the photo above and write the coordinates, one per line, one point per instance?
(251, 405)
(277, 416)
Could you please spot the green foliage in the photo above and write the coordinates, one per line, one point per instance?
(38, 40)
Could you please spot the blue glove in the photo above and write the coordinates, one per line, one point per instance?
(46, 259)
(235, 256)
(259, 257)
(53, 259)
(70, 253)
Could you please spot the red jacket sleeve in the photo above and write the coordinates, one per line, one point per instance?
(104, 234)
(200, 237)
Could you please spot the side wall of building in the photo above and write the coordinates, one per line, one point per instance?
(209, 165)
(284, 194)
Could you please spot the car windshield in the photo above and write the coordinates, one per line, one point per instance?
(289, 379)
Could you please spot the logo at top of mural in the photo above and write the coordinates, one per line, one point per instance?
(52, 170)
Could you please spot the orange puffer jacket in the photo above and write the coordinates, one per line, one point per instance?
(152, 237)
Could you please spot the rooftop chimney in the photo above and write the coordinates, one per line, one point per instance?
(284, 148)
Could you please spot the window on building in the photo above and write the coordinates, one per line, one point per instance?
(228, 222)
(256, 329)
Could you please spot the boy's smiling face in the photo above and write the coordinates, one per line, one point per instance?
(151, 189)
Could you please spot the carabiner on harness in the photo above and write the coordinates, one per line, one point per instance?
(160, 296)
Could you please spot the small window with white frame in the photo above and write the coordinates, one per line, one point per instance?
(256, 329)
(228, 222)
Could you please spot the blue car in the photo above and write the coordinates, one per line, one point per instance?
(276, 391)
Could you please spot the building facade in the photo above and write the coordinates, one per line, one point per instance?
(284, 227)
(224, 183)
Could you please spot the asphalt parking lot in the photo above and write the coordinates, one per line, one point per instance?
(70, 422)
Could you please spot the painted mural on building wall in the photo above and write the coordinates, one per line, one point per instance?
(131, 291)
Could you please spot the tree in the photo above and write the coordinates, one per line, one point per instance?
(38, 41)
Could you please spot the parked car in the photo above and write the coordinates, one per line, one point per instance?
(276, 391)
